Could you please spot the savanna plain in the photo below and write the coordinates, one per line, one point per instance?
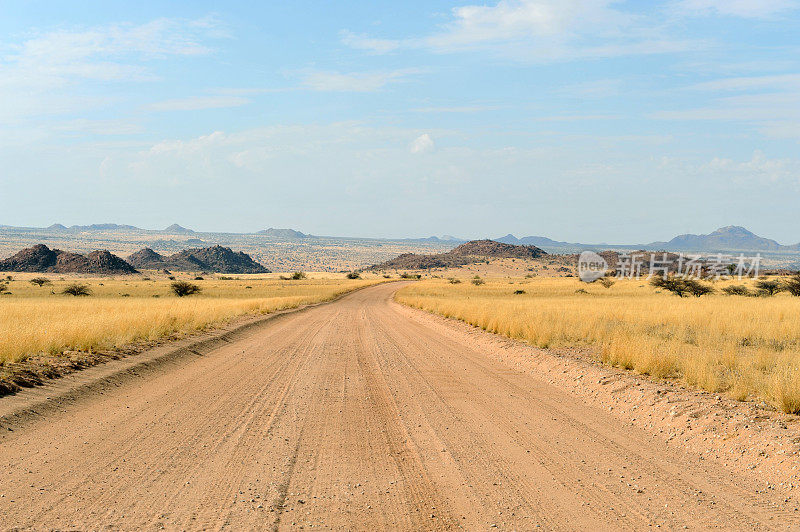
(745, 347)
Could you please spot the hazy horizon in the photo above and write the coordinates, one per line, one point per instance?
(593, 121)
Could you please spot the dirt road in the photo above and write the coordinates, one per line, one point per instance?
(354, 415)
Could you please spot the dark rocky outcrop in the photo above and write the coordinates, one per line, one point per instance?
(215, 258)
(467, 253)
(40, 258)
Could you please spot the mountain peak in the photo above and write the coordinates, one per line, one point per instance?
(175, 228)
(733, 230)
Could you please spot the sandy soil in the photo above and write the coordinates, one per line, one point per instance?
(360, 414)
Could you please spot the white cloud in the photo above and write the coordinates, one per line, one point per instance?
(759, 168)
(197, 103)
(781, 81)
(422, 144)
(44, 74)
(736, 8)
(458, 109)
(362, 42)
(319, 80)
(518, 19)
(539, 30)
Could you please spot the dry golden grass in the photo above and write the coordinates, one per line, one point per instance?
(125, 310)
(746, 347)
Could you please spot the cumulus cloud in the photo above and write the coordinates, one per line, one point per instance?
(422, 144)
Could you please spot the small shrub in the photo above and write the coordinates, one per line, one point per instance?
(198, 278)
(453, 280)
(737, 290)
(76, 289)
(353, 275)
(40, 281)
(769, 288)
(519, 292)
(185, 288)
(477, 281)
(225, 278)
(607, 282)
(297, 276)
(171, 277)
(387, 276)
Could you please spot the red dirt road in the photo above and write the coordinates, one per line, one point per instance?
(351, 415)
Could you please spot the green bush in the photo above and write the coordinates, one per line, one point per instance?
(185, 288)
(77, 290)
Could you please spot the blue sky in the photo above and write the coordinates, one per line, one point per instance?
(579, 120)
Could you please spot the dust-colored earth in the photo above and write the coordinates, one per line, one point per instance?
(356, 415)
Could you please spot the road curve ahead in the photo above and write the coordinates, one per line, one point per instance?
(355, 415)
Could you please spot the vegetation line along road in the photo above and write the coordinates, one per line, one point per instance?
(746, 347)
(44, 328)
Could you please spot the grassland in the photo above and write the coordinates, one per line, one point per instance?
(38, 320)
(746, 347)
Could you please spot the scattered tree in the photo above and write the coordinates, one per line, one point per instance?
(697, 289)
(792, 285)
(185, 288)
(39, 281)
(76, 289)
(296, 276)
(354, 275)
(477, 281)
(768, 287)
(681, 286)
(737, 290)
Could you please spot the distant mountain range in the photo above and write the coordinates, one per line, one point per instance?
(730, 238)
(173, 229)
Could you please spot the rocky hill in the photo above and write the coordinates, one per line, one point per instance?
(176, 229)
(40, 258)
(214, 259)
(467, 253)
(290, 234)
